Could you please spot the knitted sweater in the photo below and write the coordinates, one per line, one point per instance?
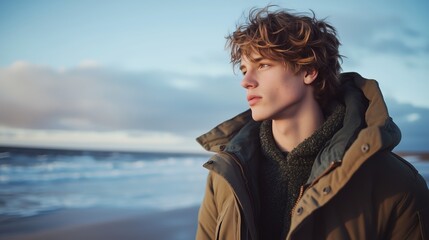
(282, 174)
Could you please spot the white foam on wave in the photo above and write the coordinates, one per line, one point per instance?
(84, 181)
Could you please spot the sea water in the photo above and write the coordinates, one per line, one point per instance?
(33, 182)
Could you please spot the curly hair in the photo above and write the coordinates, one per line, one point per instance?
(302, 42)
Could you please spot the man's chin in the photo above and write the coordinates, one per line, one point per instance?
(258, 116)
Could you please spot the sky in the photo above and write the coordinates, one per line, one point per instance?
(154, 75)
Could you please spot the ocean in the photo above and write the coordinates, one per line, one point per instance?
(35, 181)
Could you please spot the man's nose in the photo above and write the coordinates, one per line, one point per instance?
(249, 81)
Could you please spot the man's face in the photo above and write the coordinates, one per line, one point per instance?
(273, 90)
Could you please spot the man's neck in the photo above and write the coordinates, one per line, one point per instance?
(290, 132)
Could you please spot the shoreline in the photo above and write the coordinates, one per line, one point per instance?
(105, 224)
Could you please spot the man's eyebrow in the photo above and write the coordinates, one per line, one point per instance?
(254, 60)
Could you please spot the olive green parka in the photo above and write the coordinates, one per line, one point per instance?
(357, 189)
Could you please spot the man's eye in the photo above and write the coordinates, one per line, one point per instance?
(243, 72)
(264, 66)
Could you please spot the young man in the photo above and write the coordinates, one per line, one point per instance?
(312, 157)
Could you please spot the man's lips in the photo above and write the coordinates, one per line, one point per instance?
(253, 99)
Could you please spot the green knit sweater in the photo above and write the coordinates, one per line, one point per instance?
(282, 174)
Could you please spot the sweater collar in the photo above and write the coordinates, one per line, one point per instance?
(311, 146)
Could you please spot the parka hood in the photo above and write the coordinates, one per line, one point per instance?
(366, 112)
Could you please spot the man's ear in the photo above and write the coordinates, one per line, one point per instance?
(310, 76)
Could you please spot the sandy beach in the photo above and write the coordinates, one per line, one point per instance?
(103, 224)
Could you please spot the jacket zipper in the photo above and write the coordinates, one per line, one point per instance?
(301, 193)
(302, 189)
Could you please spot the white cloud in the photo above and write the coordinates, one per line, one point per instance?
(93, 140)
(413, 117)
(184, 84)
(89, 63)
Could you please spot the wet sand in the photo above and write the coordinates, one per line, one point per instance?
(77, 224)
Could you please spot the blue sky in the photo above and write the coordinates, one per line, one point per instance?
(153, 75)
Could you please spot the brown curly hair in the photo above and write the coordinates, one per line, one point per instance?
(302, 42)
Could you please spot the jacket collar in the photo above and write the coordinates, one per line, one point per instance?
(220, 136)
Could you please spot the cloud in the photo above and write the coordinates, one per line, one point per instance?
(394, 46)
(96, 98)
(413, 117)
(112, 140)
(413, 122)
(151, 110)
(381, 35)
(89, 63)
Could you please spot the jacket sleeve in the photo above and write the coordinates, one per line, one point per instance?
(412, 214)
(207, 216)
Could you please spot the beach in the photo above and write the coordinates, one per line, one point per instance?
(175, 224)
(91, 195)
